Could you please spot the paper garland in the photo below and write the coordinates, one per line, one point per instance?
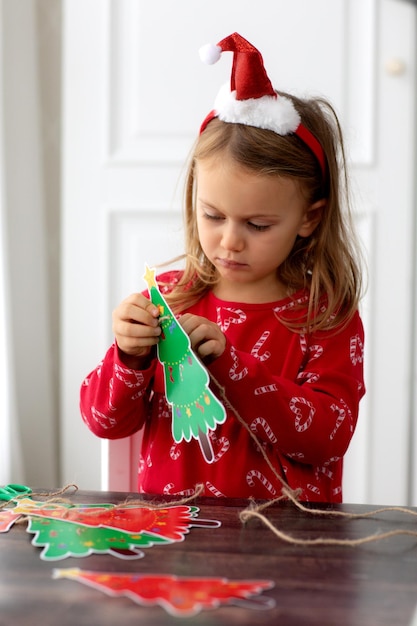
(123, 531)
(65, 530)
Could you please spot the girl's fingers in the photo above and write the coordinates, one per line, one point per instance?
(136, 325)
(205, 336)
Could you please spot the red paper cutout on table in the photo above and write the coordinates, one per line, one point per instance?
(7, 518)
(179, 596)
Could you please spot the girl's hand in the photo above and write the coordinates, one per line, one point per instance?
(136, 329)
(206, 338)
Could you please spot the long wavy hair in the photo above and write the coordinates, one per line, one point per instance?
(328, 262)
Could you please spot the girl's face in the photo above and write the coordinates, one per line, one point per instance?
(247, 225)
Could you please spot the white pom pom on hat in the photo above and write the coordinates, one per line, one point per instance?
(210, 53)
(251, 98)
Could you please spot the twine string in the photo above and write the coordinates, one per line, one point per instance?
(320, 541)
(53, 501)
(255, 510)
(51, 496)
(198, 491)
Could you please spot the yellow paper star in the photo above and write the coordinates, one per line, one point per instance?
(149, 277)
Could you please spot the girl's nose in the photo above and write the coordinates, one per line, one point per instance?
(232, 238)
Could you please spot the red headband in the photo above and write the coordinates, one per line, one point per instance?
(251, 99)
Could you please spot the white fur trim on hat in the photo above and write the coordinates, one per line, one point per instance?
(276, 114)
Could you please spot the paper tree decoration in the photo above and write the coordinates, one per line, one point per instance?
(195, 409)
(7, 518)
(65, 530)
(181, 597)
(173, 522)
(61, 539)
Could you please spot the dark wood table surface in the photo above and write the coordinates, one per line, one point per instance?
(371, 585)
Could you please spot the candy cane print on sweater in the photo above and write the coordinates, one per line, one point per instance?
(131, 378)
(233, 372)
(220, 445)
(258, 345)
(313, 351)
(265, 389)
(175, 451)
(261, 421)
(308, 377)
(302, 421)
(356, 350)
(250, 476)
(213, 490)
(103, 419)
(342, 412)
(234, 316)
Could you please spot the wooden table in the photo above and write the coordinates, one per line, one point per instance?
(371, 585)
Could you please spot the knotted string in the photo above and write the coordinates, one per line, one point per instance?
(254, 513)
(51, 496)
(198, 491)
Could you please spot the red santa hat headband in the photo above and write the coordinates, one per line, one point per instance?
(251, 99)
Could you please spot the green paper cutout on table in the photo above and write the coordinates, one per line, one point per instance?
(61, 539)
(195, 409)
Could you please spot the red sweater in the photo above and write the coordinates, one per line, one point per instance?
(298, 394)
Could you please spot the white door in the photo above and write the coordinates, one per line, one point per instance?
(135, 94)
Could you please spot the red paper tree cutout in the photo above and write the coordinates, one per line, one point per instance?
(170, 522)
(182, 597)
(7, 518)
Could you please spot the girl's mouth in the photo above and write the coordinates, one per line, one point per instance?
(230, 264)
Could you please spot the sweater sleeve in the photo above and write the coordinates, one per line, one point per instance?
(114, 400)
(308, 415)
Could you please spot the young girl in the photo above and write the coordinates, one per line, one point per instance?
(269, 298)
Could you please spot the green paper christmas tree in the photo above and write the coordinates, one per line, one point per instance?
(61, 539)
(195, 409)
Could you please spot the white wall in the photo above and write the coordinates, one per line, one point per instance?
(32, 420)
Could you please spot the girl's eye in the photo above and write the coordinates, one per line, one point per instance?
(214, 217)
(210, 216)
(258, 227)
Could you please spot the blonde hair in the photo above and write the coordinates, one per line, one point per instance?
(327, 263)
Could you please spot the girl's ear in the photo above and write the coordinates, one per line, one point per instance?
(311, 218)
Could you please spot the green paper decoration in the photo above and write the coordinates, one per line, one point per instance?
(61, 539)
(195, 409)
